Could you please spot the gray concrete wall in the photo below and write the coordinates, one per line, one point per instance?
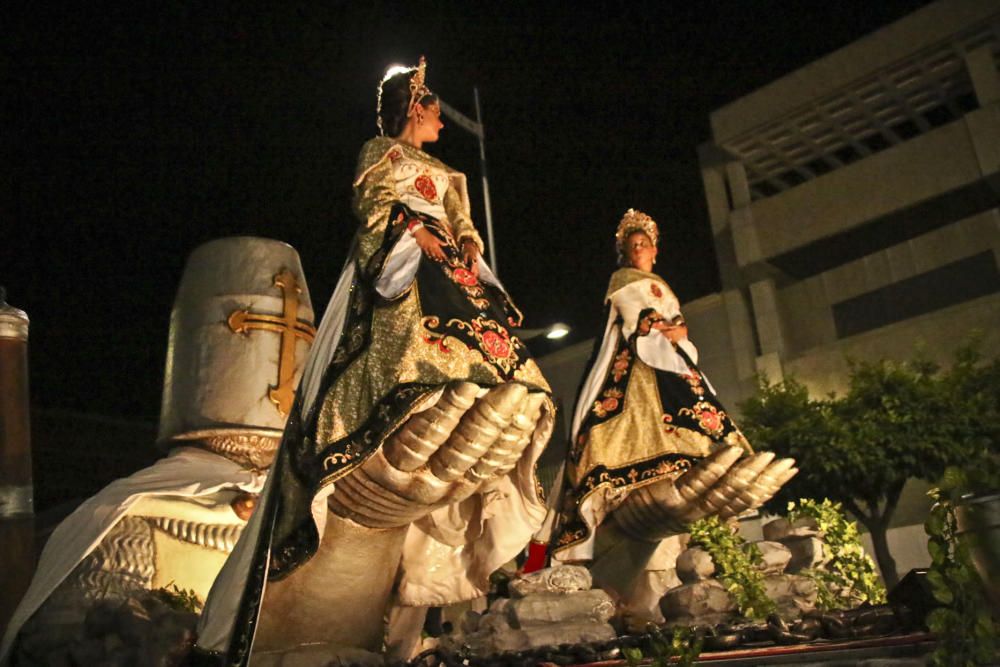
(895, 42)
(825, 369)
(925, 167)
(805, 306)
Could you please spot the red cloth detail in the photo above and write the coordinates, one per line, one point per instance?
(537, 556)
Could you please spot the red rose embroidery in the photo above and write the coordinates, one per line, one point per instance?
(657, 292)
(395, 154)
(710, 421)
(464, 277)
(609, 404)
(425, 186)
(496, 345)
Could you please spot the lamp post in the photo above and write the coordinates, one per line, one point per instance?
(475, 127)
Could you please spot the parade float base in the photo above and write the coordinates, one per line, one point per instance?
(909, 649)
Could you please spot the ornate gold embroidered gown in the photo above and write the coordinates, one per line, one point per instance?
(645, 413)
(399, 329)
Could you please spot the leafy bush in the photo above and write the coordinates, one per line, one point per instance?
(737, 565)
(848, 577)
(966, 631)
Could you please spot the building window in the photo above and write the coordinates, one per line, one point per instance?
(939, 288)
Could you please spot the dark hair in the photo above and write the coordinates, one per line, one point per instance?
(396, 102)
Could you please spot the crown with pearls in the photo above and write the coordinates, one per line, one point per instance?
(635, 221)
(418, 89)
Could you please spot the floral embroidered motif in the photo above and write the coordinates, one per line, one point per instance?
(395, 154)
(489, 337)
(567, 538)
(336, 459)
(458, 273)
(668, 423)
(425, 186)
(610, 402)
(655, 289)
(710, 419)
(621, 364)
(430, 323)
(668, 467)
(497, 344)
(694, 381)
(464, 277)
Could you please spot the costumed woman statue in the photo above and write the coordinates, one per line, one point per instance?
(407, 469)
(651, 446)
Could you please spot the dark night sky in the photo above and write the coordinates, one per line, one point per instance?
(131, 135)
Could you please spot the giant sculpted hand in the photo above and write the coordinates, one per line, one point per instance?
(441, 455)
(468, 439)
(723, 484)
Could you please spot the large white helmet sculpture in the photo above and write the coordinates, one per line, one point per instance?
(240, 331)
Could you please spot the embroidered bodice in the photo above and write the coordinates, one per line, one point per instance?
(389, 172)
(419, 184)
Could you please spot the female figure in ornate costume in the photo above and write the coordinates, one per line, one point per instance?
(651, 446)
(409, 457)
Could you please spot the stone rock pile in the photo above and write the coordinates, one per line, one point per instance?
(546, 608)
(141, 631)
(787, 549)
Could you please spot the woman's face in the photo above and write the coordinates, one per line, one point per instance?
(640, 251)
(428, 130)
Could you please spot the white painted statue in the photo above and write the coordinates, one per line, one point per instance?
(239, 334)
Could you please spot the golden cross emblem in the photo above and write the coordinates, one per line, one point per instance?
(289, 326)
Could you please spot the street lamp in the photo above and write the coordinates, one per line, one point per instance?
(552, 332)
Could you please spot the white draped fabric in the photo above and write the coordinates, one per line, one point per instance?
(187, 472)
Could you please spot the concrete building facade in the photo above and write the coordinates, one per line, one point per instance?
(855, 207)
(854, 203)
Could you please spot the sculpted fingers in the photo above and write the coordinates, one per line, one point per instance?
(694, 483)
(729, 486)
(769, 482)
(441, 455)
(515, 438)
(723, 484)
(478, 431)
(425, 432)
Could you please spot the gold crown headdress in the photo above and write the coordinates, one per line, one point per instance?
(635, 221)
(418, 89)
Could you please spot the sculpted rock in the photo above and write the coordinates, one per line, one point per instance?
(595, 605)
(695, 565)
(793, 593)
(318, 655)
(141, 630)
(538, 619)
(776, 556)
(559, 579)
(705, 602)
(779, 529)
(806, 552)
(572, 632)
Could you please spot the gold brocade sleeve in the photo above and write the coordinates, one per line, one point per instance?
(374, 195)
(461, 223)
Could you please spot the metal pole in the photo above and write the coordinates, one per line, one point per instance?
(486, 186)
